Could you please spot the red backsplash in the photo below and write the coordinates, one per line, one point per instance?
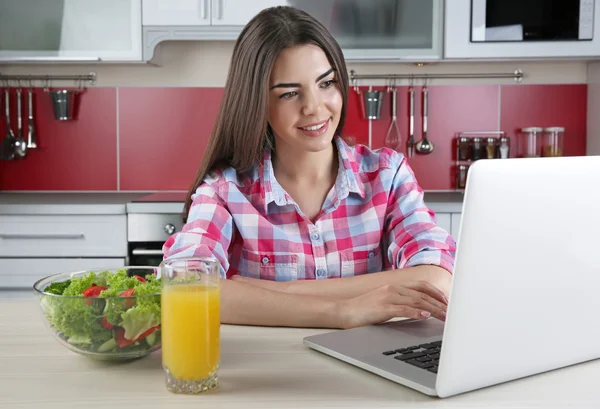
(153, 138)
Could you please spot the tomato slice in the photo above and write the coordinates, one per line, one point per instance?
(140, 279)
(123, 342)
(106, 324)
(92, 292)
(130, 302)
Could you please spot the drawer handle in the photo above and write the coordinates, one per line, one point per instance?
(42, 236)
(145, 252)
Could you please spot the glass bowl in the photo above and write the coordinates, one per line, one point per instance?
(120, 324)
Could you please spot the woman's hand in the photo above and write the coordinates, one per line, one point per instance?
(419, 300)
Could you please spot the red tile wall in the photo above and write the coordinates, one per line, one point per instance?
(152, 139)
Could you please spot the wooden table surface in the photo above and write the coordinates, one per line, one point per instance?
(260, 368)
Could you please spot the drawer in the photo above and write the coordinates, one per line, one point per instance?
(63, 236)
(23, 272)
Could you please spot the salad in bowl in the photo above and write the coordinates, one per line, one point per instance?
(111, 314)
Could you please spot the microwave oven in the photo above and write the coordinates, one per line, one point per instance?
(531, 20)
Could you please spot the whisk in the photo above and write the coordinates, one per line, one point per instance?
(393, 137)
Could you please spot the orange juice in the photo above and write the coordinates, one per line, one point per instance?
(190, 330)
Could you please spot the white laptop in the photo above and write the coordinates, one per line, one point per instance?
(525, 291)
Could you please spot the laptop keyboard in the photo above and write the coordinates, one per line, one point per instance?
(424, 356)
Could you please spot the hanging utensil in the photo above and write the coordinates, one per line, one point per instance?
(393, 137)
(425, 146)
(410, 148)
(20, 144)
(8, 144)
(371, 102)
(31, 135)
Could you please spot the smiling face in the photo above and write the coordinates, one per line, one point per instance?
(305, 101)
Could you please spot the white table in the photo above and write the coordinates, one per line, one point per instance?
(260, 368)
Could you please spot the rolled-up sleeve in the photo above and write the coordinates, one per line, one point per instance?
(208, 231)
(414, 237)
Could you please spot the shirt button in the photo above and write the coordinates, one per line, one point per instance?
(265, 260)
(315, 236)
(320, 273)
(371, 254)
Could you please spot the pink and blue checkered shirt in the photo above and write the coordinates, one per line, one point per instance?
(373, 219)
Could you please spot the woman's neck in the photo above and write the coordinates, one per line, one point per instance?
(305, 167)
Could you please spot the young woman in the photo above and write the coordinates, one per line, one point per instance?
(295, 217)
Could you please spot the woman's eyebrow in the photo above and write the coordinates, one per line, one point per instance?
(296, 85)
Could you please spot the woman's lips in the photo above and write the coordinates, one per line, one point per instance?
(315, 132)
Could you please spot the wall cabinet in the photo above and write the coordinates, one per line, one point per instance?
(70, 30)
(449, 222)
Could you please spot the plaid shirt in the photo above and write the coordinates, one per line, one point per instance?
(373, 219)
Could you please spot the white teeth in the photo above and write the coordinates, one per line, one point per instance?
(315, 128)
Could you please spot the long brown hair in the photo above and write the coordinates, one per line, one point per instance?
(242, 132)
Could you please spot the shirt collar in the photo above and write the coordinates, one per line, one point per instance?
(347, 180)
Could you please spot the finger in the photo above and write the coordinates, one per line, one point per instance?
(405, 311)
(430, 290)
(419, 297)
(422, 302)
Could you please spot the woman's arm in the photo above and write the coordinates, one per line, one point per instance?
(246, 304)
(348, 287)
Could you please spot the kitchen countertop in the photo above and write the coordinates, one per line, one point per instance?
(261, 367)
(164, 202)
(66, 203)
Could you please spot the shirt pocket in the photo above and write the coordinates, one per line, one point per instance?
(355, 263)
(269, 266)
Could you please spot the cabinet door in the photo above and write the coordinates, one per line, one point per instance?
(444, 220)
(458, 44)
(70, 30)
(240, 12)
(455, 225)
(381, 29)
(176, 12)
(24, 272)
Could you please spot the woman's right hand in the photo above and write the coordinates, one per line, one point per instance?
(418, 300)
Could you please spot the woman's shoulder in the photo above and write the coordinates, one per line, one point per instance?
(375, 159)
(229, 175)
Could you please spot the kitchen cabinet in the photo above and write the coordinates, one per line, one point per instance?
(377, 30)
(70, 30)
(449, 222)
(16, 273)
(455, 225)
(466, 32)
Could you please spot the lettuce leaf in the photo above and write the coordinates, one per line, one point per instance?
(140, 319)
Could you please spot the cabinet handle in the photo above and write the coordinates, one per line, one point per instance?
(42, 236)
(219, 9)
(145, 252)
(202, 7)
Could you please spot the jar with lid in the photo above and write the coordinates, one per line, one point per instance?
(504, 148)
(476, 148)
(461, 177)
(464, 148)
(552, 144)
(490, 148)
(530, 142)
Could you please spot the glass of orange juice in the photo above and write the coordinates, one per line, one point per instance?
(190, 323)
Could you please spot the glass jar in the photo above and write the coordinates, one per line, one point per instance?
(504, 148)
(476, 148)
(490, 148)
(552, 144)
(464, 149)
(530, 142)
(461, 176)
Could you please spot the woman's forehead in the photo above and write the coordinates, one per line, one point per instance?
(299, 63)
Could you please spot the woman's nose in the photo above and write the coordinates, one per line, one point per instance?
(312, 103)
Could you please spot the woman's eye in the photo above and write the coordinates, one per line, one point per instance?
(327, 83)
(288, 95)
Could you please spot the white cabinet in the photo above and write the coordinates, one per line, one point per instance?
(176, 12)
(455, 225)
(24, 272)
(374, 30)
(458, 38)
(444, 220)
(239, 12)
(70, 30)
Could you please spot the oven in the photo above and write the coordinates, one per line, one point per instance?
(151, 220)
(532, 20)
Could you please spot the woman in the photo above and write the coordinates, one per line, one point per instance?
(294, 216)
